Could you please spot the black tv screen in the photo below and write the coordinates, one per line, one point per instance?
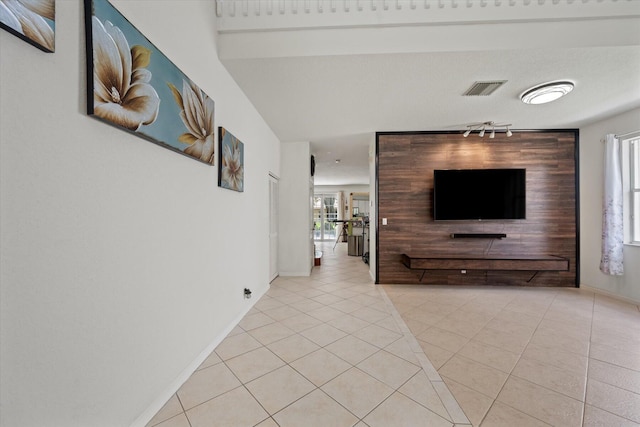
(479, 194)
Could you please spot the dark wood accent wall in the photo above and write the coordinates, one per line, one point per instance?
(405, 165)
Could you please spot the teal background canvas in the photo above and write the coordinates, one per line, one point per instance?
(50, 22)
(227, 141)
(168, 126)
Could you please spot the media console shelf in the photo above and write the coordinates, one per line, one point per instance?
(503, 263)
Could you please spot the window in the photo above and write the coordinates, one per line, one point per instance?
(325, 213)
(634, 189)
(631, 186)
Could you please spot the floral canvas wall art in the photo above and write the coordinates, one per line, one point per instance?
(231, 163)
(133, 86)
(31, 20)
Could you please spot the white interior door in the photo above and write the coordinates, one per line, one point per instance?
(273, 227)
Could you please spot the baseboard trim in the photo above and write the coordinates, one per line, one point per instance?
(159, 402)
(609, 294)
(295, 273)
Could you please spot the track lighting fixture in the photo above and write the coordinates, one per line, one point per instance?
(482, 128)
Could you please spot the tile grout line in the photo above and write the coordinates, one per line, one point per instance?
(321, 347)
(405, 333)
(184, 411)
(493, 400)
(360, 419)
(375, 298)
(592, 321)
(520, 354)
(516, 364)
(586, 374)
(595, 295)
(450, 404)
(316, 387)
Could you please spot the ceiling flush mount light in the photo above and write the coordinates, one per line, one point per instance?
(483, 127)
(546, 92)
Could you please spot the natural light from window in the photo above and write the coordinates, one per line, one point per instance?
(631, 174)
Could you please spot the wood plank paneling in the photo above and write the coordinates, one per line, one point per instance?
(405, 165)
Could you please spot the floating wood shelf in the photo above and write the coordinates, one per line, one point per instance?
(483, 263)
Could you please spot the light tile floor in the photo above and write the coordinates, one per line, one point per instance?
(530, 356)
(333, 349)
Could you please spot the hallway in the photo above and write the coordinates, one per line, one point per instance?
(332, 350)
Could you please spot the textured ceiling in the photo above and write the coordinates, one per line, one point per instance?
(338, 101)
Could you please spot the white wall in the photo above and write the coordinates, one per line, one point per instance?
(122, 263)
(591, 190)
(296, 189)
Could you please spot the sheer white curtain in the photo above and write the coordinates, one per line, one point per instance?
(612, 228)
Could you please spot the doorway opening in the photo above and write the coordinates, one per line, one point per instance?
(325, 213)
(274, 198)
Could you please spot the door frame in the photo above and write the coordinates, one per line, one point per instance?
(274, 218)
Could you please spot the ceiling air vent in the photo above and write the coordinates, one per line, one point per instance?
(484, 88)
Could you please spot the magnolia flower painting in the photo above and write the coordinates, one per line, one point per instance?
(197, 115)
(134, 86)
(121, 90)
(231, 166)
(31, 20)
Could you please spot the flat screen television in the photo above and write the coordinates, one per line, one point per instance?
(479, 194)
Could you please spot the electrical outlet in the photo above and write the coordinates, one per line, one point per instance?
(384, 221)
(463, 271)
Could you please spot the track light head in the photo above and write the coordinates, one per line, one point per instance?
(483, 126)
